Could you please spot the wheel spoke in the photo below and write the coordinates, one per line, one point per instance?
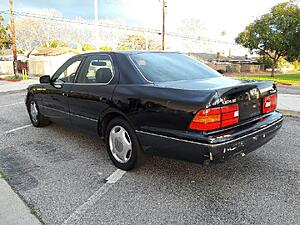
(125, 137)
(126, 149)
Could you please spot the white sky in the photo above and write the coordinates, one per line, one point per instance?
(216, 16)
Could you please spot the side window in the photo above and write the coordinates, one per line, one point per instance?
(68, 74)
(97, 69)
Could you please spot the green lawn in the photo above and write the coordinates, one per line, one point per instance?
(279, 78)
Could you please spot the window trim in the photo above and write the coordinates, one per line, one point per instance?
(59, 71)
(84, 64)
(138, 69)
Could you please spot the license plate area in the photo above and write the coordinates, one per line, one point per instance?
(249, 109)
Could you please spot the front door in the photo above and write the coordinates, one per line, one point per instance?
(92, 91)
(55, 100)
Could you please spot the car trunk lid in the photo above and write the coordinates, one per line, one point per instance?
(247, 94)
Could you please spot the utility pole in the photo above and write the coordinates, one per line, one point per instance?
(163, 26)
(13, 37)
(96, 23)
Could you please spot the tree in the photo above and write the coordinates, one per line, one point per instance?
(122, 47)
(296, 65)
(194, 28)
(275, 34)
(266, 61)
(88, 47)
(32, 32)
(56, 43)
(138, 42)
(5, 38)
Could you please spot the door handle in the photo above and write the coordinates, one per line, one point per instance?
(64, 94)
(58, 86)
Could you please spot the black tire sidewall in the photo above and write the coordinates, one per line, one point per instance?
(36, 124)
(41, 120)
(137, 153)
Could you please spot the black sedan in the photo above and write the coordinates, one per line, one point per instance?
(157, 102)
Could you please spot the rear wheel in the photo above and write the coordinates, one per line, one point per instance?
(122, 145)
(37, 119)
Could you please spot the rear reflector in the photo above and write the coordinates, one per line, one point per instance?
(269, 103)
(215, 118)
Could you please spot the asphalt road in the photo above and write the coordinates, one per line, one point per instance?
(292, 90)
(61, 175)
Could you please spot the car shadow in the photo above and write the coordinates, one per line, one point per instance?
(243, 169)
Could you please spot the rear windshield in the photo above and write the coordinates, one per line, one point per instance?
(166, 66)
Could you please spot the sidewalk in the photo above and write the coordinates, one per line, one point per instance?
(13, 211)
(6, 86)
(289, 104)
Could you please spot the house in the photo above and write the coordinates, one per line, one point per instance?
(228, 64)
(45, 61)
(6, 62)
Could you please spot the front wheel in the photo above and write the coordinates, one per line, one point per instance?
(122, 145)
(37, 119)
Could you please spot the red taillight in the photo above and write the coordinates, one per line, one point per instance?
(230, 115)
(215, 118)
(207, 119)
(269, 103)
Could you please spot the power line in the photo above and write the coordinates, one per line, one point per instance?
(115, 26)
(4, 11)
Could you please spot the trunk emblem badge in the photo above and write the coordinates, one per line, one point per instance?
(254, 93)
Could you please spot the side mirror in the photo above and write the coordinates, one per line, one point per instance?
(45, 79)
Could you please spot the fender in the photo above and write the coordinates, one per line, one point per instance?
(107, 115)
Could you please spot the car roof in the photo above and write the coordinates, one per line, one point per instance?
(125, 52)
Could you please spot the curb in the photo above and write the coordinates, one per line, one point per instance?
(288, 85)
(10, 80)
(15, 209)
(289, 113)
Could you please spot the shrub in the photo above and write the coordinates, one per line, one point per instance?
(236, 68)
(105, 48)
(88, 47)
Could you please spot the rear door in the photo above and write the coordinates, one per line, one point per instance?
(92, 91)
(55, 98)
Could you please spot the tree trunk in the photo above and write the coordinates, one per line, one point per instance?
(273, 70)
(274, 65)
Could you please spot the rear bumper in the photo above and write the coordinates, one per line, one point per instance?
(219, 145)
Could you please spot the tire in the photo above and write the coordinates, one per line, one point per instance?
(37, 119)
(122, 145)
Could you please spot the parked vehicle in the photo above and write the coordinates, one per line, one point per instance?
(148, 102)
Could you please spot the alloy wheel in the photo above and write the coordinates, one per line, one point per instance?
(34, 112)
(120, 144)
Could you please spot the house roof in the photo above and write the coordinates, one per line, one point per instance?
(42, 51)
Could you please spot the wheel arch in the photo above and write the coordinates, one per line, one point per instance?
(109, 115)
